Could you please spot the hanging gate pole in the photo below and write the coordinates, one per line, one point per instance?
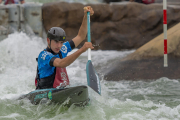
(165, 32)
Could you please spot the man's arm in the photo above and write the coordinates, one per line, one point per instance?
(62, 63)
(0, 1)
(83, 29)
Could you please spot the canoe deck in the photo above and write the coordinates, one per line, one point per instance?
(75, 95)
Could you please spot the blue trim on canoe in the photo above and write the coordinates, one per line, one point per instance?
(42, 90)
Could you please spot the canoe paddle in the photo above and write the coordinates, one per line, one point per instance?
(92, 77)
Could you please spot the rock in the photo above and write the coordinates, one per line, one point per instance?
(147, 61)
(115, 26)
(65, 15)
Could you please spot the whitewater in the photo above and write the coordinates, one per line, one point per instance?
(120, 100)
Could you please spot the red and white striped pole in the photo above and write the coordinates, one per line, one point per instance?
(165, 32)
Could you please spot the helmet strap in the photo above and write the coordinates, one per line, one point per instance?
(50, 50)
(50, 45)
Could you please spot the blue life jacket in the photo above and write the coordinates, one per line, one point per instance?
(46, 71)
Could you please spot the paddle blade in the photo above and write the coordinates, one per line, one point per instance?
(92, 77)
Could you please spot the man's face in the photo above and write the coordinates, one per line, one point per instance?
(55, 45)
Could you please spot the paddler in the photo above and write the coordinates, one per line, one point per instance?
(52, 61)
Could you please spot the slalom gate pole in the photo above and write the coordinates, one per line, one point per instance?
(165, 32)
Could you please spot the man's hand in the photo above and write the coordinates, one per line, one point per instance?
(86, 46)
(62, 63)
(88, 8)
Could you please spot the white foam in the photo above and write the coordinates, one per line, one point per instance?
(119, 100)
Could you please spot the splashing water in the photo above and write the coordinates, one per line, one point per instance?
(123, 100)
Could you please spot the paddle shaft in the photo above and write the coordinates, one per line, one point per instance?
(88, 34)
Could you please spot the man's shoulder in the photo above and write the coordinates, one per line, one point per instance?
(44, 52)
(44, 55)
(65, 47)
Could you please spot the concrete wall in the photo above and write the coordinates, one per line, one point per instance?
(26, 18)
(3, 21)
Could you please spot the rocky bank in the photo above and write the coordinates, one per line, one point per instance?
(116, 26)
(126, 25)
(147, 62)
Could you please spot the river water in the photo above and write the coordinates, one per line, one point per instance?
(123, 100)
